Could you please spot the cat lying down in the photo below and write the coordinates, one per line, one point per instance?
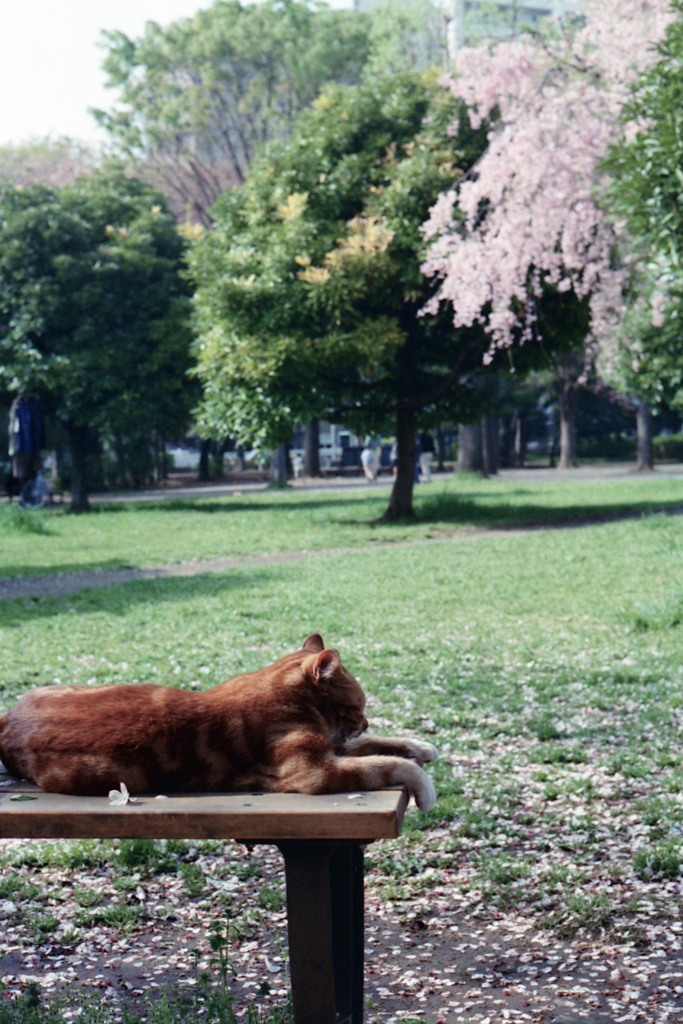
(294, 727)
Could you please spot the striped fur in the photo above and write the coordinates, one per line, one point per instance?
(296, 726)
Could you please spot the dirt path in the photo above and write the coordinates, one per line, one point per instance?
(69, 582)
(62, 584)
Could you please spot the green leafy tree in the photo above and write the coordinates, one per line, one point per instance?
(200, 96)
(309, 287)
(405, 35)
(46, 162)
(642, 347)
(93, 311)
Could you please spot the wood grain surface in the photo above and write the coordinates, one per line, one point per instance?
(27, 812)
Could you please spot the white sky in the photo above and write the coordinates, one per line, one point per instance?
(50, 61)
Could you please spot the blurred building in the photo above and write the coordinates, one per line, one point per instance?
(468, 21)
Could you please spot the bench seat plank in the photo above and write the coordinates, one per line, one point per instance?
(250, 817)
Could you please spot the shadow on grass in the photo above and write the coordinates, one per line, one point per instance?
(96, 565)
(117, 600)
(210, 506)
(473, 508)
(481, 509)
(467, 510)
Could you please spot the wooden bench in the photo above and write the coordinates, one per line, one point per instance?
(321, 838)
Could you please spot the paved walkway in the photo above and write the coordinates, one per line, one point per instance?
(536, 474)
(540, 474)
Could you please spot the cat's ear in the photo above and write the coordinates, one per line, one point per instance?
(314, 643)
(327, 664)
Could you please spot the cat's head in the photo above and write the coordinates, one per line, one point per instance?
(339, 696)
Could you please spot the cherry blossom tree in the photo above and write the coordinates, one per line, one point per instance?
(525, 221)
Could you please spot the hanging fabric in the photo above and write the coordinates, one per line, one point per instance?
(26, 427)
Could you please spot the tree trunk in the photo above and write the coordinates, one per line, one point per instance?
(278, 466)
(646, 460)
(222, 448)
(120, 460)
(78, 442)
(239, 460)
(163, 460)
(158, 459)
(510, 442)
(470, 457)
(204, 455)
(567, 407)
(570, 368)
(312, 449)
(440, 448)
(520, 441)
(401, 501)
(489, 444)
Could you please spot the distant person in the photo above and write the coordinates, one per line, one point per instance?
(418, 453)
(367, 461)
(393, 457)
(426, 454)
(298, 465)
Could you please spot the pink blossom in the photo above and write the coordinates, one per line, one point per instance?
(659, 301)
(559, 104)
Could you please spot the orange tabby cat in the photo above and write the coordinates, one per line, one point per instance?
(295, 726)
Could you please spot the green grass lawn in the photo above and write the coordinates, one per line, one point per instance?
(546, 664)
(175, 530)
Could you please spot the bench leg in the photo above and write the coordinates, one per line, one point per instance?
(348, 933)
(325, 923)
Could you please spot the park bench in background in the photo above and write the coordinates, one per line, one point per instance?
(320, 837)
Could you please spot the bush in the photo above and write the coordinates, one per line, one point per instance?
(608, 447)
(668, 448)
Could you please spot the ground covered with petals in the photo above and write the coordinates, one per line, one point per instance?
(547, 883)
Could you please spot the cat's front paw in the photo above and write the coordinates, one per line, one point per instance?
(422, 752)
(425, 794)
